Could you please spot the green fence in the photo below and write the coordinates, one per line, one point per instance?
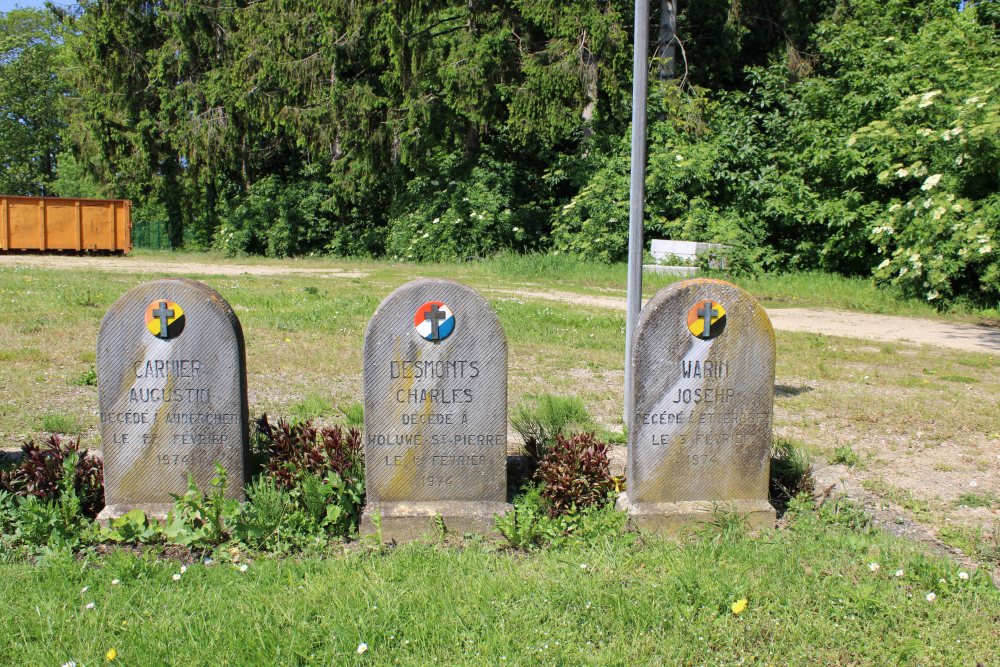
(151, 234)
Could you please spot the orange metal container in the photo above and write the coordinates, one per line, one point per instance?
(56, 223)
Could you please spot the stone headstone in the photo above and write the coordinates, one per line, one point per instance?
(435, 383)
(703, 393)
(171, 382)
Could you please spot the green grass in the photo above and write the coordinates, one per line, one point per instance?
(312, 407)
(54, 422)
(812, 599)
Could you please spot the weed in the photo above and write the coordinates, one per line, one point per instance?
(987, 500)
(311, 407)
(550, 417)
(791, 470)
(87, 378)
(354, 414)
(198, 521)
(845, 454)
(54, 422)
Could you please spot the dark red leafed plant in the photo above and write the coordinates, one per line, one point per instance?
(41, 470)
(575, 473)
(296, 448)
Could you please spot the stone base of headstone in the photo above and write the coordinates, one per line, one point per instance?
(156, 511)
(408, 521)
(671, 517)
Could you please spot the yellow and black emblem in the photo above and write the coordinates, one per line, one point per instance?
(164, 319)
(706, 319)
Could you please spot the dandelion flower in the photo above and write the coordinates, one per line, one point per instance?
(899, 573)
(177, 577)
(874, 567)
(89, 605)
(362, 647)
(931, 597)
(739, 606)
(111, 655)
(963, 576)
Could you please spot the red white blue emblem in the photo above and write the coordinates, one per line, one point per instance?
(434, 321)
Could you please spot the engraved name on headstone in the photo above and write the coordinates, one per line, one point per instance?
(172, 388)
(700, 434)
(435, 384)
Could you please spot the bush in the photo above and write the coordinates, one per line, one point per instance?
(42, 468)
(575, 474)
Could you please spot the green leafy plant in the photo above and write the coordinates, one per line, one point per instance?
(87, 378)
(133, 527)
(199, 521)
(846, 455)
(57, 523)
(42, 470)
(575, 474)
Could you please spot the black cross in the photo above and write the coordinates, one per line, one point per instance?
(435, 316)
(163, 313)
(707, 312)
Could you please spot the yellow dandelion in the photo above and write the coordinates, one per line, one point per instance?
(739, 606)
(111, 655)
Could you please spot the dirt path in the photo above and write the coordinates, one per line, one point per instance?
(866, 326)
(145, 265)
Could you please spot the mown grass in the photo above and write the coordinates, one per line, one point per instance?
(813, 598)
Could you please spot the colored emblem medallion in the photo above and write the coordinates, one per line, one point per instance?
(164, 319)
(434, 321)
(706, 319)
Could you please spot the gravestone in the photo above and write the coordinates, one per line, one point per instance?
(703, 393)
(435, 383)
(172, 388)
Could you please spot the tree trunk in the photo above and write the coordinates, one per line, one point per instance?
(666, 44)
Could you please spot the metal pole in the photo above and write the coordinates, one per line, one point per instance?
(637, 190)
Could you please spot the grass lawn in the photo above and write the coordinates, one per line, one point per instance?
(916, 424)
(812, 598)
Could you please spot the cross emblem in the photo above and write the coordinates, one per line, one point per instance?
(706, 313)
(163, 313)
(435, 316)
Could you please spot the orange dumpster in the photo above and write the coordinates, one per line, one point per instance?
(57, 223)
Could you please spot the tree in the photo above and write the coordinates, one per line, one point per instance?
(32, 101)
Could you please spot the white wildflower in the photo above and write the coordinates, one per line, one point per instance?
(931, 597)
(933, 294)
(885, 262)
(184, 569)
(899, 573)
(902, 173)
(930, 182)
(874, 567)
(362, 648)
(244, 567)
(115, 582)
(176, 577)
(89, 605)
(84, 590)
(927, 98)
(964, 576)
(985, 249)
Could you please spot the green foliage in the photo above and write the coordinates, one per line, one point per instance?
(56, 422)
(87, 378)
(791, 471)
(311, 407)
(133, 527)
(549, 417)
(575, 474)
(846, 455)
(55, 524)
(42, 473)
(530, 525)
(201, 522)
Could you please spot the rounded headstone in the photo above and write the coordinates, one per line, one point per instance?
(700, 433)
(435, 385)
(172, 388)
